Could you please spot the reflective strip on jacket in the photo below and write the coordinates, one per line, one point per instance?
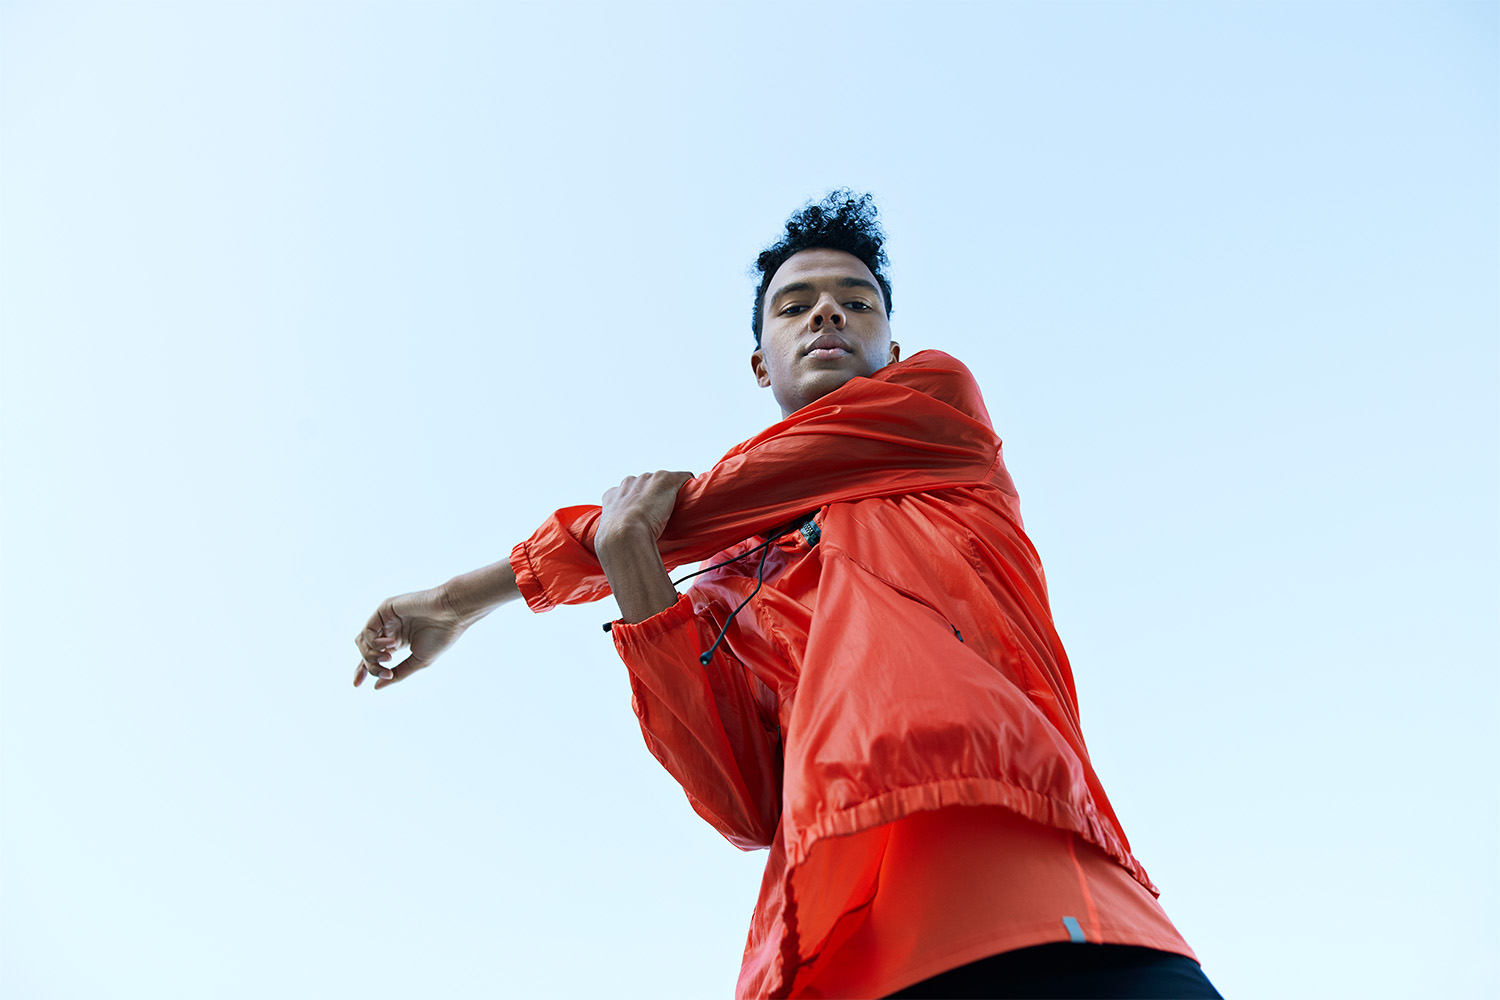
(908, 661)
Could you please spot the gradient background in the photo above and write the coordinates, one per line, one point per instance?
(305, 305)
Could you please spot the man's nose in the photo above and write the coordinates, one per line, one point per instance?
(827, 313)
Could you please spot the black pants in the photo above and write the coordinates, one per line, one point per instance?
(1073, 972)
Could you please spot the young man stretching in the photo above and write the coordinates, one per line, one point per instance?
(865, 677)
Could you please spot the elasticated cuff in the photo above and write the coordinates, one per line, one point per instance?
(651, 630)
(530, 586)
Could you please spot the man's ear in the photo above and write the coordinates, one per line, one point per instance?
(895, 353)
(758, 366)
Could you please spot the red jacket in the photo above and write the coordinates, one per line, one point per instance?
(907, 661)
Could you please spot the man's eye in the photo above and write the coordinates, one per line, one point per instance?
(858, 306)
(792, 310)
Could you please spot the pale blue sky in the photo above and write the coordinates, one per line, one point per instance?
(304, 305)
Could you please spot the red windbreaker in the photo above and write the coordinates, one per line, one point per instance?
(907, 661)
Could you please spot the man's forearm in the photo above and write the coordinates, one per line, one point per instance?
(475, 594)
(636, 574)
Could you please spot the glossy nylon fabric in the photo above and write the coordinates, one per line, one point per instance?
(844, 697)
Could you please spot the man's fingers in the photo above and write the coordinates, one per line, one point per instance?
(668, 477)
(373, 649)
(401, 671)
(668, 481)
(384, 622)
(373, 670)
(374, 639)
(375, 642)
(377, 621)
(372, 653)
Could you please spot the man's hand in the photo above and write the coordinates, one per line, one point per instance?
(640, 504)
(429, 621)
(635, 513)
(422, 620)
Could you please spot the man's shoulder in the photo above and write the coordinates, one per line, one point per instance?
(927, 360)
(884, 397)
(941, 376)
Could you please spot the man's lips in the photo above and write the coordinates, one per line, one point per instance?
(828, 346)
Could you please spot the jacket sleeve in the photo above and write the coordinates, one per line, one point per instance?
(713, 728)
(915, 426)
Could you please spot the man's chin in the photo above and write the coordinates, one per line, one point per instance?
(813, 386)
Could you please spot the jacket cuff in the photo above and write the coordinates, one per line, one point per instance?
(527, 581)
(627, 634)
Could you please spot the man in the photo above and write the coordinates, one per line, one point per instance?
(865, 677)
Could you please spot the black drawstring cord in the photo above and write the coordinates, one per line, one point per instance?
(748, 552)
(763, 548)
(760, 578)
(809, 530)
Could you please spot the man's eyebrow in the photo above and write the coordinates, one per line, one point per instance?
(806, 286)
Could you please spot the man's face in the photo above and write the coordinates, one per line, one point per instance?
(823, 323)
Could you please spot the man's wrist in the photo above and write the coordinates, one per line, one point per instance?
(636, 574)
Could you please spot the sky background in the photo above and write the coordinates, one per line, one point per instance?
(309, 304)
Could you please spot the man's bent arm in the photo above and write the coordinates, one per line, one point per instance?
(631, 521)
(869, 438)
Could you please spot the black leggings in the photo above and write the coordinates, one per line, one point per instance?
(1072, 971)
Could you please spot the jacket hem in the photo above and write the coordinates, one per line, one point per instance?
(896, 804)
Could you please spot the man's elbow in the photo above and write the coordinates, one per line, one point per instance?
(747, 829)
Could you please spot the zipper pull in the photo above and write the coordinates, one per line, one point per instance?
(811, 532)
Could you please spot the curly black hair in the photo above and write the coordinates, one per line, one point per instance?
(841, 221)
